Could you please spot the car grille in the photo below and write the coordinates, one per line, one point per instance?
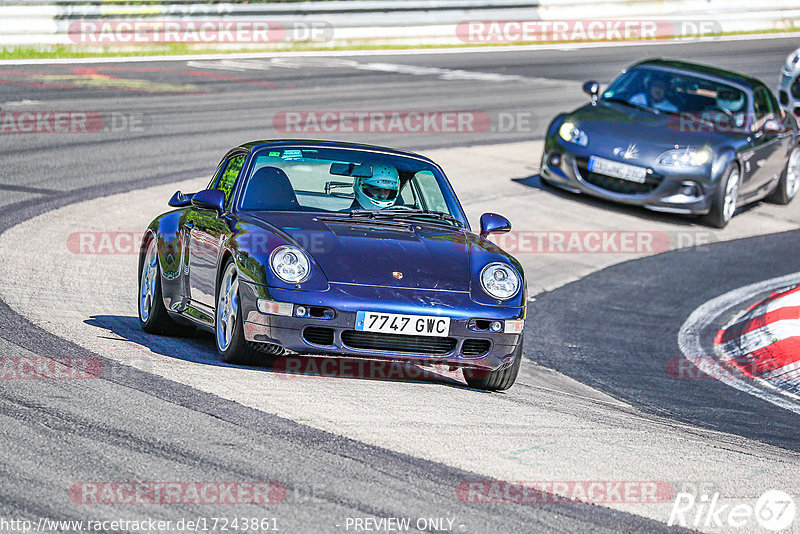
(616, 185)
(475, 347)
(398, 343)
(317, 335)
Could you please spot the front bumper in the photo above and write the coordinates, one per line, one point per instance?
(328, 327)
(665, 190)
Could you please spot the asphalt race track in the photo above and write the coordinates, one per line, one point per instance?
(594, 401)
(630, 358)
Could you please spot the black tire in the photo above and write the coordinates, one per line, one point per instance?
(787, 189)
(499, 380)
(237, 350)
(720, 216)
(153, 317)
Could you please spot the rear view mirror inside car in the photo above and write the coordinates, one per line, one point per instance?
(351, 169)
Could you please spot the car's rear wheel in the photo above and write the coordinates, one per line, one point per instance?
(790, 180)
(725, 198)
(229, 326)
(498, 380)
(153, 316)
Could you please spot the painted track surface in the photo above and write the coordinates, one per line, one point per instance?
(192, 128)
(763, 342)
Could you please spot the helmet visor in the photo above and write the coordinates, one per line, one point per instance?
(380, 193)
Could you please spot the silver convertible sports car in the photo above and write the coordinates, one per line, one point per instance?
(677, 137)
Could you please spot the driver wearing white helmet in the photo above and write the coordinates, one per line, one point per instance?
(378, 191)
(731, 102)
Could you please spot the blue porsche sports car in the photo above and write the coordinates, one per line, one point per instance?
(331, 248)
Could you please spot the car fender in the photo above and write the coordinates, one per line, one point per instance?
(165, 229)
(725, 156)
(251, 246)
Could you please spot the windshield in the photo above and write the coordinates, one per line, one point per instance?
(679, 92)
(349, 182)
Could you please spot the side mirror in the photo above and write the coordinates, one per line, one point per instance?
(179, 200)
(492, 223)
(592, 88)
(209, 199)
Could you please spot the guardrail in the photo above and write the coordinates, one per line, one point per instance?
(377, 22)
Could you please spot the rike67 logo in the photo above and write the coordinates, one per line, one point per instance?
(774, 510)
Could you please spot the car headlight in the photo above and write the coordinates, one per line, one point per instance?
(290, 264)
(573, 134)
(500, 281)
(685, 157)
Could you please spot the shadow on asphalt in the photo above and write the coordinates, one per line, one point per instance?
(199, 348)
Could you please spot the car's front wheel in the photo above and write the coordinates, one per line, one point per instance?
(725, 198)
(229, 325)
(790, 180)
(498, 380)
(153, 316)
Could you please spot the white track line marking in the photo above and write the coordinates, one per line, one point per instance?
(792, 299)
(689, 340)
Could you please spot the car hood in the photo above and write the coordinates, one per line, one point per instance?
(401, 254)
(612, 125)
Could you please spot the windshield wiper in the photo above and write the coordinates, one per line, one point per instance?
(633, 105)
(402, 213)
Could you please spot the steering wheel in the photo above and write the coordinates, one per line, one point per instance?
(727, 112)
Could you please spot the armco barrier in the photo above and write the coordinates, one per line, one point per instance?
(37, 23)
